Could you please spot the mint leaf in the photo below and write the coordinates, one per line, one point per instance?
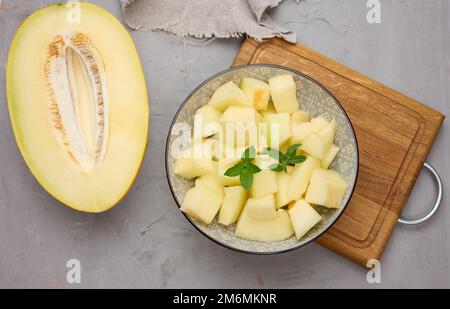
(246, 179)
(249, 154)
(245, 169)
(276, 167)
(297, 159)
(235, 170)
(292, 150)
(274, 153)
(253, 168)
(290, 158)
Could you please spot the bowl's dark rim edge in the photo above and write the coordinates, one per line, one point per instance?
(225, 245)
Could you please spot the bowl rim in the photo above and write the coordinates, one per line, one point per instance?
(224, 244)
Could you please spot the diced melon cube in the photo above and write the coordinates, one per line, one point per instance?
(199, 149)
(262, 143)
(229, 152)
(220, 149)
(209, 113)
(301, 131)
(247, 135)
(301, 116)
(327, 188)
(234, 200)
(328, 133)
(264, 230)
(282, 198)
(320, 122)
(325, 163)
(300, 177)
(226, 138)
(194, 167)
(227, 95)
(270, 110)
(262, 208)
(284, 93)
(264, 183)
(211, 182)
(202, 204)
(223, 165)
(209, 147)
(257, 91)
(303, 217)
(319, 144)
(240, 126)
(278, 129)
(315, 146)
(290, 169)
(240, 114)
(206, 121)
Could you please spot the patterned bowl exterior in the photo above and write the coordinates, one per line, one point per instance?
(313, 98)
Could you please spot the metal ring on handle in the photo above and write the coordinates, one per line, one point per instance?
(438, 201)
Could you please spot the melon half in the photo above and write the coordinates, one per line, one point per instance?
(78, 104)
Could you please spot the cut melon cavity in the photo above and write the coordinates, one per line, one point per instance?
(78, 104)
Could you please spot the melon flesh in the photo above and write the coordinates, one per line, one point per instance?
(277, 229)
(315, 146)
(232, 204)
(278, 129)
(196, 205)
(302, 130)
(284, 93)
(211, 182)
(223, 165)
(269, 110)
(262, 208)
(227, 95)
(319, 144)
(300, 178)
(303, 218)
(239, 114)
(264, 183)
(206, 122)
(329, 158)
(328, 133)
(240, 126)
(282, 197)
(194, 167)
(78, 104)
(327, 188)
(301, 116)
(257, 91)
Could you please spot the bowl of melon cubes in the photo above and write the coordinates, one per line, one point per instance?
(261, 159)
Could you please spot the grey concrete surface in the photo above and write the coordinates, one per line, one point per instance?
(145, 241)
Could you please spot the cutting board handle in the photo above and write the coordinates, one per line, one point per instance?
(438, 180)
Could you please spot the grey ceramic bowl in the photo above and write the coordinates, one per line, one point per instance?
(314, 98)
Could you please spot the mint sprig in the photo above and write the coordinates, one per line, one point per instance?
(245, 169)
(285, 159)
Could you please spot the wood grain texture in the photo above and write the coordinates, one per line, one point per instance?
(394, 133)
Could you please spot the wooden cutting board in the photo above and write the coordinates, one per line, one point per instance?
(394, 132)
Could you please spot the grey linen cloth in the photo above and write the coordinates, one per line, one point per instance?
(206, 18)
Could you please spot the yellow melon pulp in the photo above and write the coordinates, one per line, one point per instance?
(78, 104)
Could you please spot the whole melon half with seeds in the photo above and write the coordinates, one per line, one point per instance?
(78, 104)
